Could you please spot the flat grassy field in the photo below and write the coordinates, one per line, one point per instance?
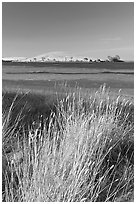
(66, 137)
(88, 76)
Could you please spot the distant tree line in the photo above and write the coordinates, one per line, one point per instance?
(115, 59)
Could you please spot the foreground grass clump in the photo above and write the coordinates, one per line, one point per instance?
(84, 153)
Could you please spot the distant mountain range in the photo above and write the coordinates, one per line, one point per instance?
(59, 57)
(49, 57)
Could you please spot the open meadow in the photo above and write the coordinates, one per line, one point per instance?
(68, 132)
(44, 77)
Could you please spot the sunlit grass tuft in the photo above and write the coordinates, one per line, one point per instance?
(84, 153)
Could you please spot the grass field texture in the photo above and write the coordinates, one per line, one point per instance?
(69, 147)
(44, 77)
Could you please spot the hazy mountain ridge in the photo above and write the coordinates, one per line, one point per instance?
(60, 56)
(47, 57)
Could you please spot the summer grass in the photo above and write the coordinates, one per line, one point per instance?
(83, 152)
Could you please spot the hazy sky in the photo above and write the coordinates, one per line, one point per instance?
(89, 29)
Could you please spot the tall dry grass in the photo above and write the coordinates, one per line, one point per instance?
(85, 154)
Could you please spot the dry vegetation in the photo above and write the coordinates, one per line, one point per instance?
(78, 149)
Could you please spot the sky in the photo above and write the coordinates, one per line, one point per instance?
(91, 29)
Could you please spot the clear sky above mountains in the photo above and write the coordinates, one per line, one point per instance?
(90, 29)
